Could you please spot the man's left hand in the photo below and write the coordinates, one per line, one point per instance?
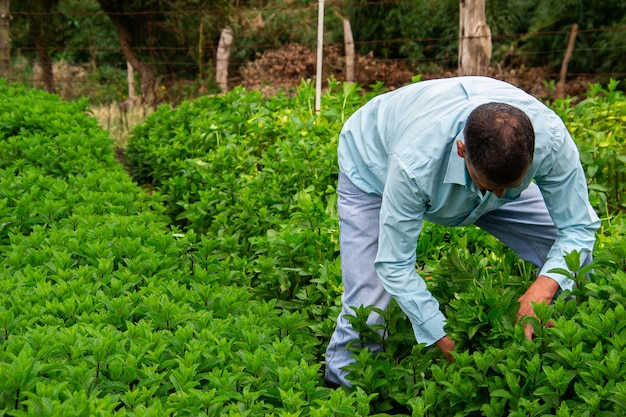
(540, 291)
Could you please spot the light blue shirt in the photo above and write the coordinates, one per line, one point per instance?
(402, 146)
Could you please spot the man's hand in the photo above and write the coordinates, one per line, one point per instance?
(446, 345)
(541, 291)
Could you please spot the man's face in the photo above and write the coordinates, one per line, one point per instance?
(485, 184)
(481, 181)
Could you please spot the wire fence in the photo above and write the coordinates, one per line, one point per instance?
(179, 69)
(187, 66)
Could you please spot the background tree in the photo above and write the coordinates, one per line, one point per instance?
(428, 31)
(152, 33)
(425, 32)
(41, 29)
(172, 43)
(374, 22)
(595, 50)
(88, 36)
(5, 43)
(135, 30)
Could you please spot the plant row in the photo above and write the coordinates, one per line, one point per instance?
(107, 309)
(275, 183)
(208, 284)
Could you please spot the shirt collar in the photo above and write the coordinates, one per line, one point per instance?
(456, 173)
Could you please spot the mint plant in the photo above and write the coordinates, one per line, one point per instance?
(208, 283)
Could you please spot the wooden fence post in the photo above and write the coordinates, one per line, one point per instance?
(475, 38)
(320, 55)
(5, 44)
(223, 54)
(349, 45)
(130, 72)
(560, 86)
(201, 50)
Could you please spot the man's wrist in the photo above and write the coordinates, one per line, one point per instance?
(447, 346)
(445, 343)
(545, 287)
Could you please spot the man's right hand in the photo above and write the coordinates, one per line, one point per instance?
(447, 346)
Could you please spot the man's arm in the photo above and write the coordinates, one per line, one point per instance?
(401, 218)
(562, 182)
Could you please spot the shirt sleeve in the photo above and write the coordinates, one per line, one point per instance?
(564, 187)
(401, 218)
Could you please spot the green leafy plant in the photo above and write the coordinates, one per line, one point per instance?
(597, 124)
(210, 283)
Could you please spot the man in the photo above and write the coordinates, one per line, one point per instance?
(457, 151)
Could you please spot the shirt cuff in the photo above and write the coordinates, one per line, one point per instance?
(423, 311)
(564, 282)
(431, 330)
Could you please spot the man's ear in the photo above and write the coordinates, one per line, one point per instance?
(460, 148)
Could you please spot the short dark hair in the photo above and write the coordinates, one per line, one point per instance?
(499, 142)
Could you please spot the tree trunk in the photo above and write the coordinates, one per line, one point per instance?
(148, 83)
(5, 44)
(200, 51)
(47, 76)
(40, 31)
(223, 54)
(475, 38)
(131, 32)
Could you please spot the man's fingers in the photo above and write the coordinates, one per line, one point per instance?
(528, 331)
(520, 316)
(528, 328)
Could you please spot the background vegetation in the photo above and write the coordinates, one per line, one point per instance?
(175, 41)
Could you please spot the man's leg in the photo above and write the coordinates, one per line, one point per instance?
(358, 242)
(524, 225)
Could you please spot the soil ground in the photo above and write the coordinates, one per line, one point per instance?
(283, 69)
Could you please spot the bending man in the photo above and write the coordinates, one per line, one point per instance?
(457, 151)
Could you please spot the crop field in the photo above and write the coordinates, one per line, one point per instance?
(206, 282)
